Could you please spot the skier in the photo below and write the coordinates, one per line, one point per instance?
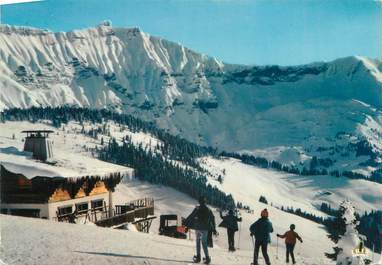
(230, 222)
(202, 220)
(262, 229)
(290, 242)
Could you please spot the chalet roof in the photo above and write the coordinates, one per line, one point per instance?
(37, 131)
(31, 169)
(72, 165)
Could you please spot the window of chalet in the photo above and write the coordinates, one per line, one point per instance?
(65, 210)
(82, 207)
(97, 203)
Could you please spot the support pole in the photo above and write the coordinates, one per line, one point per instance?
(110, 203)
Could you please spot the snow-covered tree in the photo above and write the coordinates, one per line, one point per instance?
(350, 247)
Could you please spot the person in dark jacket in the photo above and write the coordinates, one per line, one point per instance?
(290, 241)
(230, 222)
(261, 230)
(202, 220)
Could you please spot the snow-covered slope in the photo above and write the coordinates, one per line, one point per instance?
(320, 109)
(58, 243)
(248, 183)
(168, 201)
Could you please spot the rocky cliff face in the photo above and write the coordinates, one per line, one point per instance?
(270, 110)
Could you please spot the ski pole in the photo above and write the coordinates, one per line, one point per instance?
(298, 248)
(238, 245)
(277, 247)
(253, 242)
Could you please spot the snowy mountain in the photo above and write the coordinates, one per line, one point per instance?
(331, 110)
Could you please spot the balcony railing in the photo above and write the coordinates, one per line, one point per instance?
(131, 212)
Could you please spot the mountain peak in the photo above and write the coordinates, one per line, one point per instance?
(22, 30)
(106, 23)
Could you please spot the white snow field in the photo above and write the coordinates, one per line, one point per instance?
(248, 183)
(34, 241)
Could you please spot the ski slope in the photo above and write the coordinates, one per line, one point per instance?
(169, 201)
(61, 243)
(66, 244)
(248, 183)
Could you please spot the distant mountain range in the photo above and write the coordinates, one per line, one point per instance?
(331, 110)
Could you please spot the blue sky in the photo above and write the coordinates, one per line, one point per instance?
(285, 32)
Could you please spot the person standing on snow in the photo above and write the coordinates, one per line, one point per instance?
(202, 220)
(230, 222)
(262, 229)
(290, 241)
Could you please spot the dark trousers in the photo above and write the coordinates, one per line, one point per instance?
(264, 250)
(289, 251)
(231, 238)
(210, 240)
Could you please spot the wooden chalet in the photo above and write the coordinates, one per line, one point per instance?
(35, 188)
(55, 197)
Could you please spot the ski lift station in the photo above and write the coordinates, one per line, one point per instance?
(32, 186)
(38, 143)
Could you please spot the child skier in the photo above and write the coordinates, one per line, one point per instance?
(290, 241)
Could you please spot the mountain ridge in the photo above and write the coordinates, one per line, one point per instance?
(232, 107)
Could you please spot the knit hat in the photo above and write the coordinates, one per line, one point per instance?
(264, 213)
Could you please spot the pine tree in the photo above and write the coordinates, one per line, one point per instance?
(349, 246)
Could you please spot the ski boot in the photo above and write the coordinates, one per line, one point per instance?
(207, 260)
(196, 259)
